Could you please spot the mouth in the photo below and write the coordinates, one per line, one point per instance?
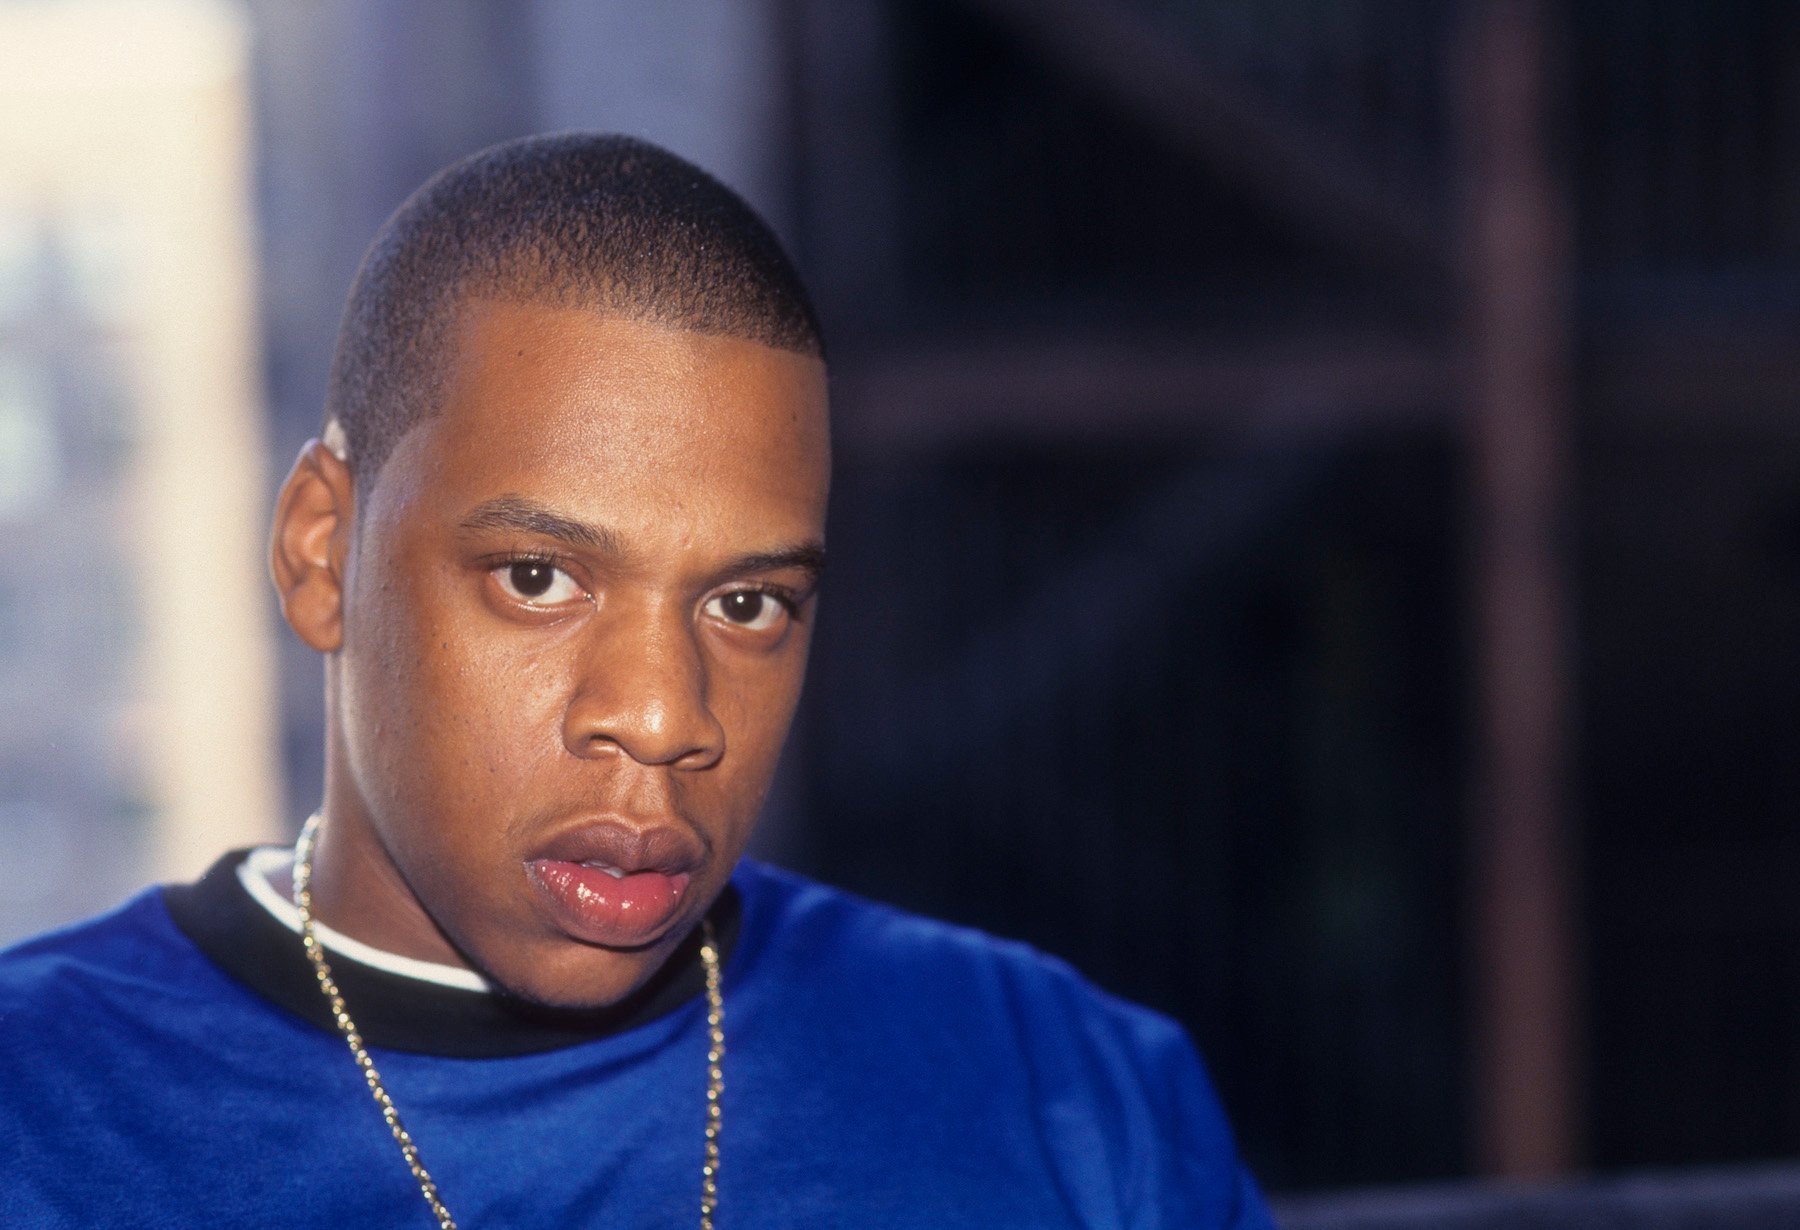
(614, 884)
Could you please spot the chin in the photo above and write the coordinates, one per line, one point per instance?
(582, 978)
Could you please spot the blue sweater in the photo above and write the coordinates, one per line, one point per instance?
(881, 1071)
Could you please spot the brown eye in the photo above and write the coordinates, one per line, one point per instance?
(742, 607)
(531, 580)
(748, 608)
(537, 583)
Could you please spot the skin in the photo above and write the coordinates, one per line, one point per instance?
(660, 472)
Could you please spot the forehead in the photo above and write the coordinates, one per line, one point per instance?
(626, 420)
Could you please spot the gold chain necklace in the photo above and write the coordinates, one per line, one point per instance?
(315, 952)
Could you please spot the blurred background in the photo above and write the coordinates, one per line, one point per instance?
(1316, 536)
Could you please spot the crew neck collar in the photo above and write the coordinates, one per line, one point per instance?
(399, 1003)
(256, 874)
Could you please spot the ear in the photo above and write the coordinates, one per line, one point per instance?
(310, 544)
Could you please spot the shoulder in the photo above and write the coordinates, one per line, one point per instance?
(129, 966)
(998, 1039)
(123, 945)
(830, 921)
(850, 959)
(87, 999)
(837, 934)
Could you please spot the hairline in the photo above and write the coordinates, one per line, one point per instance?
(442, 326)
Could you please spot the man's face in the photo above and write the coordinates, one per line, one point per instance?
(576, 616)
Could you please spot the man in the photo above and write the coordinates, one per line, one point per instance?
(559, 546)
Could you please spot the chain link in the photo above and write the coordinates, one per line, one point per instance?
(390, 1114)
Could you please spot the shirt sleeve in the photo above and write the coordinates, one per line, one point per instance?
(1191, 1173)
(1124, 1105)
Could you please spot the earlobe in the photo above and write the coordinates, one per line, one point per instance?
(310, 543)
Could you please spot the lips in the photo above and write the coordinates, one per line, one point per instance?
(612, 883)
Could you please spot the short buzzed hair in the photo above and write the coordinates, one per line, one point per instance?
(604, 222)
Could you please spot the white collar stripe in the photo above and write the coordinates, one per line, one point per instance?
(254, 873)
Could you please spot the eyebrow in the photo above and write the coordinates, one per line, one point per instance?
(807, 557)
(512, 512)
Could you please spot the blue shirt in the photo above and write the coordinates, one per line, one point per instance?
(881, 1070)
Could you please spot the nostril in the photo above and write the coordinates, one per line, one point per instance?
(648, 729)
(641, 688)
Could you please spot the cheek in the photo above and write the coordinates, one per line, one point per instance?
(451, 711)
(498, 704)
(756, 707)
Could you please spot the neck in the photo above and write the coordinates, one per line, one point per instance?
(358, 892)
(267, 875)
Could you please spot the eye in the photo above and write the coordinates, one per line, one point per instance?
(750, 609)
(537, 582)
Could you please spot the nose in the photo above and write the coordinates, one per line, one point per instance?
(642, 690)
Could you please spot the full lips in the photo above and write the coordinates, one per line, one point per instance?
(616, 911)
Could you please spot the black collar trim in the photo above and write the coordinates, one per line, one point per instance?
(398, 1013)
